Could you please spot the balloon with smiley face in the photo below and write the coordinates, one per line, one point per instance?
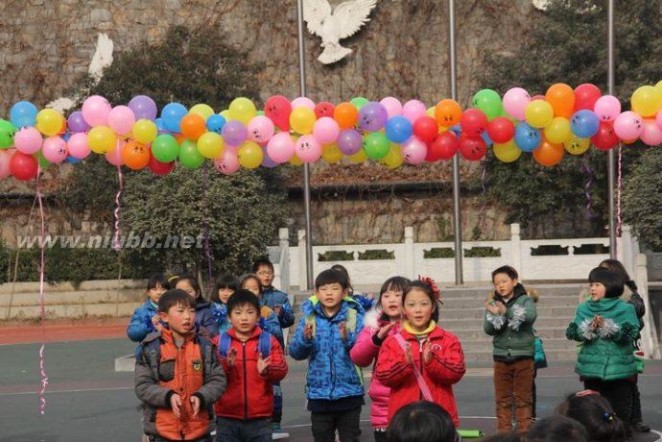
(278, 110)
(576, 145)
(54, 149)
(448, 113)
(472, 149)
(527, 138)
(605, 138)
(628, 125)
(135, 156)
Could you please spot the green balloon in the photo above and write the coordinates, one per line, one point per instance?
(7, 131)
(189, 155)
(376, 145)
(43, 162)
(359, 102)
(165, 148)
(489, 102)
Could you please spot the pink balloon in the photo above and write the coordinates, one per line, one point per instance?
(121, 119)
(658, 119)
(260, 129)
(228, 163)
(392, 105)
(303, 102)
(308, 149)
(4, 164)
(515, 102)
(54, 149)
(231, 148)
(77, 146)
(414, 151)
(281, 147)
(95, 111)
(326, 130)
(607, 108)
(652, 134)
(413, 109)
(114, 156)
(28, 140)
(628, 126)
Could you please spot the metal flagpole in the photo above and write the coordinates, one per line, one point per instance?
(306, 166)
(457, 220)
(611, 163)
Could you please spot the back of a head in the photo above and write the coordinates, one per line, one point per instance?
(596, 414)
(421, 422)
(557, 429)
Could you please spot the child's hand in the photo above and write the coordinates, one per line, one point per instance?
(195, 401)
(263, 364)
(493, 308)
(343, 331)
(176, 405)
(597, 322)
(383, 332)
(501, 308)
(278, 309)
(232, 357)
(308, 332)
(156, 321)
(427, 352)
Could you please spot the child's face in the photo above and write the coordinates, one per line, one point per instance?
(187, 287)
(252, 285)
(155, 293)
(504, 284)
(598, 291)
(266, 275)
(331, 295)
(391, 302)
(418, 309)
(224, 294)
(244, 318)
(180, 319)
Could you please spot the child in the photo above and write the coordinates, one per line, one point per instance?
(245, 409)
(204, 317)
(325, 336)
(509, 318)
(366, 301)
(422, 421)
(178, 376)
(606, 326)
(224, 288)
(422, 360)
(596, 415)
(251, 283)
(379, 323)
(555, 429)
(145, 319)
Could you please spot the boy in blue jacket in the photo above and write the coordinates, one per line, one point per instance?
(325, 335)
(145, 319)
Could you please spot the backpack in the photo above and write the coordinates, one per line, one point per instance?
(264, 344)
(350, 323)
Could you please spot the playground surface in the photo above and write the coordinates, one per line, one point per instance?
(88, 400)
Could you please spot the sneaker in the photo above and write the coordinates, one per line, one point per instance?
(277, 433)
(640, 427)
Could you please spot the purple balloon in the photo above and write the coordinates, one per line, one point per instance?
(350, 141)
(267, 161)
(143, 107)
(234, 132)
(77, 123)
(372, 116)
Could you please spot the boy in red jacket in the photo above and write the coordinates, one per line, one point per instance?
(244, 411)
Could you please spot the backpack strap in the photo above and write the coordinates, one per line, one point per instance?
(224, 342)
(350, 324)
(427, 394)
(264, 344)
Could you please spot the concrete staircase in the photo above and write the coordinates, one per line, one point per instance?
(463, 310)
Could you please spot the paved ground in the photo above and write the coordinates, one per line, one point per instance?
(87, 400)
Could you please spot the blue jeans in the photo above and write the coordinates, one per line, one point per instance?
(234, 430)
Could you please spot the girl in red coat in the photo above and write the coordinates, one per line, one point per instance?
(422, 361)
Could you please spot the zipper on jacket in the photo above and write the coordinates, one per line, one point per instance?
(420, 359)
(243, 351)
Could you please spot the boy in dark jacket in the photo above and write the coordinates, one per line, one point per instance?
(178, 376)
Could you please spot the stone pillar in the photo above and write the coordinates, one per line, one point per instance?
(284, 246)
(302, 278)
(410, 271)
(516, 248)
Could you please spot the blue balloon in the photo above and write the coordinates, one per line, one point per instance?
(486, 138)
(215, 123)
(584, 123)
(457, 129)
(160, 126)
(398, 129)
(23, 114)
(527, 138)
(73, 160)
(172, 114)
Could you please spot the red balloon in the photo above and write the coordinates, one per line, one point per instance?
(23, 167)
(606, 138)
(426, 128)
(473, 122)
(586, 95)
(159, 168)
(444, 146)
(278, 110)
(472, 149)
(324, 109)
(501, 130)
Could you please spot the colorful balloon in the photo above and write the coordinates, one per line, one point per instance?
(54, 149)
(607, 108)
(23, 167)
(135, 156)
(76, 123)
(101, 139)
(605, 138)
(393, 158)
(448, 112)
(558, 130)
(413, 110)
(331, 153)
(215, 123)
(576, 145)
(260, 129)
(489, 102)
(234, 132)
(376, 145)
(210, 145)
(324, 109)
(372, 117)
(280, 147)
(515, 102)
(95, 111)
(444, 146)
(584, 123)
(398, 129)
(562, 99)
(507, 152)
(250, 154)
(472, 149)
(350, 141)
(204, 110)
(527, 138)
(628, 125)
(646, 101)
(426, 129)
(121, 119)
(414, 151)
(23, 114)
(392, 105)
(242, 109)
(651, 134)
(473, 122)
(326, 130)
(114, 155)
(359, 102)
(303, 102)
(308, 149)
(586, 95)
(145, 131)
(143, 107)
(77, 146)
(539, 114)
(346, 115)
(302, 120)
(159, 168)
(192, 126)
(49, 122)
(548, 154)
(189, 156)
(5, 158)
(278, 110)
(172, 114)
(228, 163)
(501, 130)
(28, 140)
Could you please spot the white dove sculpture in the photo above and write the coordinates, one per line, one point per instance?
(346, 19)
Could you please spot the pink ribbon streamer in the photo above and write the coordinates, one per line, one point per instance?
(619, 183)
(116, 237)
(208, 254)
(588, 186)
(42, 356)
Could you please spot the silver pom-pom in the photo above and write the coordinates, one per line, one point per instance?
(586, 330)
(519, 316)
(609, 328)
(498, 321)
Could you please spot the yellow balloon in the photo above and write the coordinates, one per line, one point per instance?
(302, 120)
(393, 158)
(658, 86)
(558, 131)
(430, 111)
(539, 114)
(250, 154)
(576, 145)
(101, 139)
(211, 145)
(242, 109)
(358, 157)
(226, 114)
(295, 161)
(507, 152)
(49, 122)
(204, 110)
(645, 101)
(331, 153)
(145, 131)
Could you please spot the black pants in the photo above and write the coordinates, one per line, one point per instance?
(636, 403)
(324, 425)
(380, 436)
(617, 392)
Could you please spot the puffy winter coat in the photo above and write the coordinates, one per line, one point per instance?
(141, 322)
(273, 297)
(204, 316)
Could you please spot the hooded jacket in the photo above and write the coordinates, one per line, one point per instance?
(141, 322)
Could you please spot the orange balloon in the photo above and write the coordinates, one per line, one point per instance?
(180, 138)
(448, 112)
(135, 155)
(192, 126)
(549, 154)
(346, 115)
(562, 98)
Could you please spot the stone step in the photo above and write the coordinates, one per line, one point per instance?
(73, 311)
(73, 297)
(107, 285)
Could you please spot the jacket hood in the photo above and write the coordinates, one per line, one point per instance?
(518, 291)
(372, 318)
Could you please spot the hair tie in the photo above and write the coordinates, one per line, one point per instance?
(609, 416)
(433, 287)
(586, 393)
